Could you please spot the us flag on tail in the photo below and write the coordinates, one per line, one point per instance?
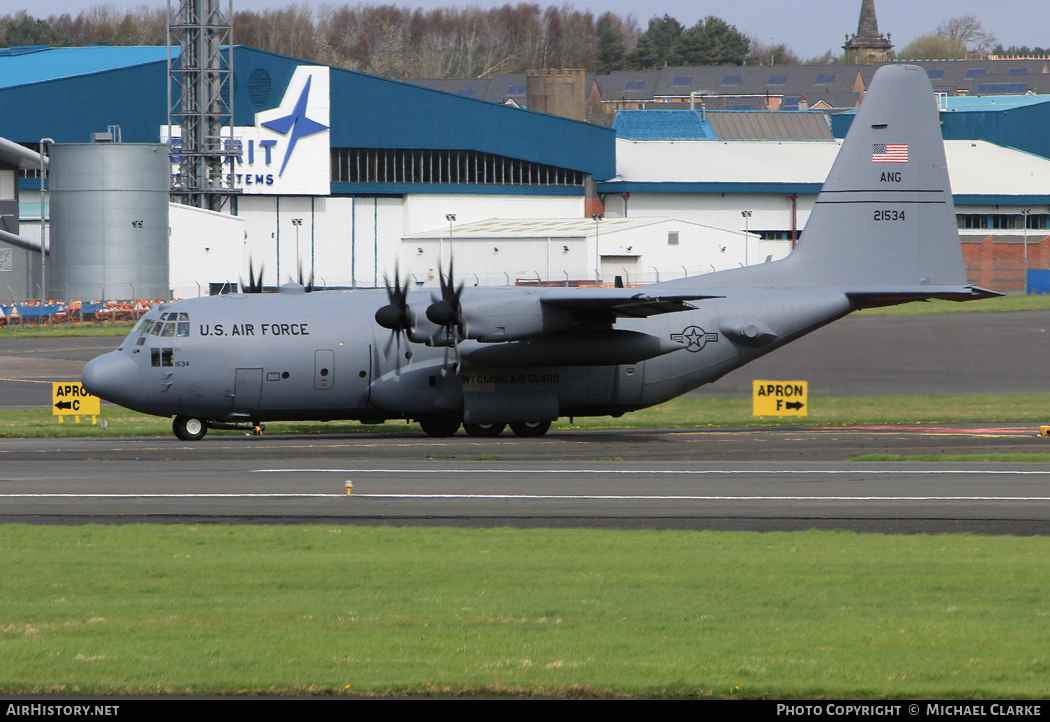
(889, 153)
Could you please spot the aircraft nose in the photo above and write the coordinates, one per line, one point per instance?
(109, 376)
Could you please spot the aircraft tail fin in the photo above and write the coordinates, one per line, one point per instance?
(885, 217)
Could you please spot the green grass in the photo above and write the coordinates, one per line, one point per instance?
(965, 458)
(359, 610)
(693, 412)
(64, 331)
(992, 305)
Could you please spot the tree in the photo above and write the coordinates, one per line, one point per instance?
(730, 45)
(828, 58)
(932, 47)
(695, 46)
(1020, 51)
(968, 32)
(954, 39)
(656, 44)
(26, 30)
(770, 54)
(612, 43)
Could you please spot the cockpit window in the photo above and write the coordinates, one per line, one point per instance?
(146, 325)
(157, 328)
(183, 328)
(184, 317)
(169, 329)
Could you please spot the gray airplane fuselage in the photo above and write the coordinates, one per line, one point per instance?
(260, 357)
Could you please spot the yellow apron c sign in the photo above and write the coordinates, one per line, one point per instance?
(70, 399)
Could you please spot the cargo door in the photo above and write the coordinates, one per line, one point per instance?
(247, 389)
(629, 383)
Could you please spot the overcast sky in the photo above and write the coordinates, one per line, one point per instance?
(809, 28)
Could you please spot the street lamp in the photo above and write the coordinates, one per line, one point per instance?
(298, 222)
(43, 235)
(451, 218)
(597, 253)
(747, 217)
(1024, 218)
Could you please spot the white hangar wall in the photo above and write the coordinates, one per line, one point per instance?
(204, 247)
(354, 241)
(426, 211)
(555, 251)
(769, 211)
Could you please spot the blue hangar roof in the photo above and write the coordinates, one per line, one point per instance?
(68, 93)
(42, 63)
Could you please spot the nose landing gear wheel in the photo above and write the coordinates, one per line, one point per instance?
(188, 428)
(530, 428)
(486, 430)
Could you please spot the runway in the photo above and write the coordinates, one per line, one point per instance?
(761, 479)
(568, 479)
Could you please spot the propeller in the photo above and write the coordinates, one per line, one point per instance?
(447, 311)
(396, 315)
(255, 285)
(309, 285)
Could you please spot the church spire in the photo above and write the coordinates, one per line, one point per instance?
(868, 45)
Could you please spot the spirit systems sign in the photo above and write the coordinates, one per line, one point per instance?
(286, 152)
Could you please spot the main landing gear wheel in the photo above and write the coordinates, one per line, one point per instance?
(188, 428)
(487, 430)
(530, 428)
(441, 425)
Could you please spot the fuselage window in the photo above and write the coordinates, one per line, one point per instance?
(162, 357)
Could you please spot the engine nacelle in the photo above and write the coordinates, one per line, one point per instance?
(495, 316)
(572, 348)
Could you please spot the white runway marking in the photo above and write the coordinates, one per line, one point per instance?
(699, 472)
(651, 497)
(560, 497)
(160, 496)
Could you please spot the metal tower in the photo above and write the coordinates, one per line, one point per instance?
(204, 79)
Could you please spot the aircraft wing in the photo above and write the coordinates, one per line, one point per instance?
(620, 302)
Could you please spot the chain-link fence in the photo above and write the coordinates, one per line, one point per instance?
(15, 313)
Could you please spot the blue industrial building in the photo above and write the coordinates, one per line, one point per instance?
(377, 159)
(68, 93)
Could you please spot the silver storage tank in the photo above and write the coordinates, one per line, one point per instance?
(109, 221)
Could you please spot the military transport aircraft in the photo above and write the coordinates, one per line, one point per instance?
(882, 232)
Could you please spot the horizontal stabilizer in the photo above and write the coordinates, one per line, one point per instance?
(873, 298)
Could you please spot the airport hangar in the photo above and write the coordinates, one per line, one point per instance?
(375, 170)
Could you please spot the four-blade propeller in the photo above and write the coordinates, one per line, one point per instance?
(396, 315)
(447, 312)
